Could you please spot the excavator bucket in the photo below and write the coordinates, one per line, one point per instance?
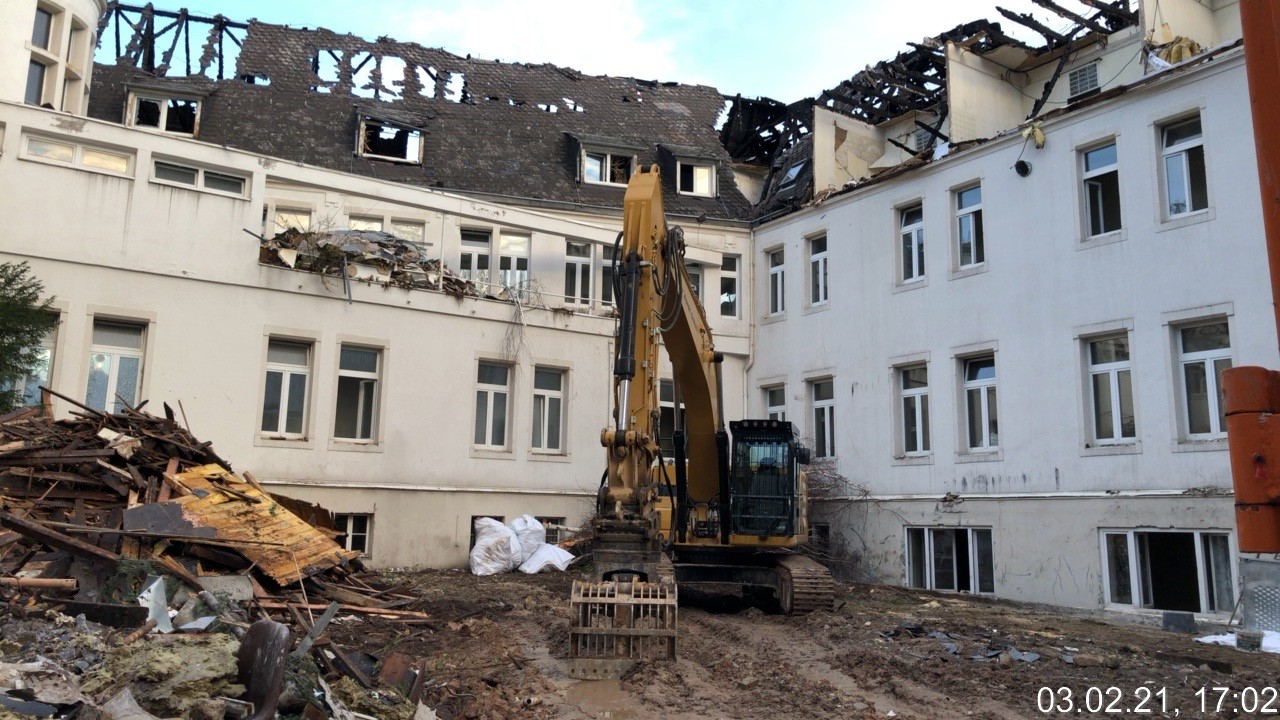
(614, 625)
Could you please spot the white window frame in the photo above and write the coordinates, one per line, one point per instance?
(777, 280)
(1090, 186)
(1213, 389)
(43, 375)
(513, 263)
(115, 352)
(288, 371)
(474, 249)
(1182, 148)
(710, 169)
(344, 520)
(163, 100)
(775, 410)
(285, 218)
(823, 413)
(911, 245)
(730, 275)
(491, 392)
(607, 252)
(411, 157)
(1112, 371)
(969, 217)
(607, 167)
(364, 223)
(697, 279)
(79, 155)
(987, 392)
(542, 398)
(577, 273)
(553, 533)
(370, 382)
(918, 399)
(1140, 590)
(201, 180)
(930, 569)
(819, 288)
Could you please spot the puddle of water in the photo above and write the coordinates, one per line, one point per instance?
(602, 699)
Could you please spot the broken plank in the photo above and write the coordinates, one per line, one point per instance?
(54, 539)
(316, 630)
(357, 609)
(118, 616)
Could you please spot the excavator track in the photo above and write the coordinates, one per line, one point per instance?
(805, 585)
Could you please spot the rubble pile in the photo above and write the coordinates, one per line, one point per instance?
(145, 578)
(367, 256)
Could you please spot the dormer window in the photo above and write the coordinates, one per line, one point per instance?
(792, 174)
(694, 178)
(180, 115)
(607, 167)
(382, 140)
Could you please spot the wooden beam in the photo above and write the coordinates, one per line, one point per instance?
(1112, 10)
(1051, 6)
(1051, 35)
(56, 540)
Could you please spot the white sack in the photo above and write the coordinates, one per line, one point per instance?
(497, 550)
(546, 557)
(530, 533)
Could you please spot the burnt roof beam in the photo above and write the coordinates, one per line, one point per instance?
(1123, 17)
(1052, 36)
(1079, 19)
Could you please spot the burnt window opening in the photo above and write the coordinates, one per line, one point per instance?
(181, 116)
(607, 168)
(390, 142)
(175, 115)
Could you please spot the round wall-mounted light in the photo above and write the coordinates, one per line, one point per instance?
(1022, 167)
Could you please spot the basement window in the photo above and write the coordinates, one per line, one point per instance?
(387, 141)
(1181, 570)
(358, 527)
(168, 114)
(957, 559)
(555, 527)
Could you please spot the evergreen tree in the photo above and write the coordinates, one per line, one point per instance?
(24, 320)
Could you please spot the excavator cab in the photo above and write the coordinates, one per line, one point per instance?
(764, 479)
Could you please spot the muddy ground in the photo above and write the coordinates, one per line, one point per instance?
(500, 650)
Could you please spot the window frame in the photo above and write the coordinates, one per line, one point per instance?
(546, 520)
(43, 375)
(775, 411)
(977, 228)
(1213, 390)
(202, 173)
(364, 376)
(1182, 148)
(362, 143)
(78, 152)
(777, 284)
(116, 352)
(578, 268)
(163, 99)
(919, 398)
(348, 535)
(1089, 180)
(491, 390)
(822, 413)
(472, 248)
(287, 371)
(731, 275)
(710, 167)
(819, 285)
(988, 390)
(1140, 592)
(1112, 370)
(608, 154)
(514, 280)
(540, 445)
(929, 572)
(916, 254)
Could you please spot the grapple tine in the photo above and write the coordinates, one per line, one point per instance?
(614, 625)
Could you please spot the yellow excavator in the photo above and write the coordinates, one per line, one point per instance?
(726, 510)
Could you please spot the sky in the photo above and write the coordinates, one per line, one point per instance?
(783, 50)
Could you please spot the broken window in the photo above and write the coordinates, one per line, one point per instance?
(822, 400)
(970, 248)
(474, 262)
(1111, 389)
(386, 141)
(695, 179)
(28, 386)
(956, 559)
(115, 365)
(577, 272)
(913, 390)
(980, 403)
(818, 270)
(357, 406)
(1186, 188)
(492, 391)
(1083, 81)
(1102, 190)
(1179, 570)
(911, 228)
(548, 409)
(175, 115)
(1204, 352)
(729, 286)
(513, 264)
(357, 528)
(608, 168)
(775, 402)
(777, 282)
(284, 400)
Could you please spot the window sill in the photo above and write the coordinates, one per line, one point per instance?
(346, 445)
(535, 456)
(770, 319)
(904, 286)
(490, 454)
(604, 184)
(194, 188)
(1094, 241)
(160, 130)
(907, 460)
(811, 309)
(1181, 221)
(1195, 445)
(1100, 450)
(978, 456)
(693, 194)
(279, 441)
(968, 270)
